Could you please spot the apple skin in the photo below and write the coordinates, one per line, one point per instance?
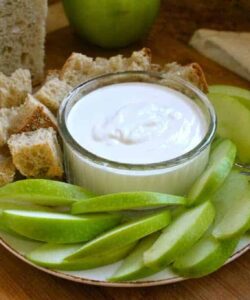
(126, 201)
(52, 256)
(43, 192)
(133, 267)
(124, 234)
(207, 256)
(243, 95)
(179, 236)
(111, 23)
(58, 228)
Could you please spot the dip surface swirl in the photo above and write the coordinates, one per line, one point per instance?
(137, 123)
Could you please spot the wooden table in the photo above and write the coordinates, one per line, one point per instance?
(19, 281)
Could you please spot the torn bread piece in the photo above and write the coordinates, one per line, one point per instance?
(29, 116)
(192, 73)
(7, 120)
(79, 68)
(7, 168)
(37, 153)
(14, 88)
(32, 115)
(52, 93)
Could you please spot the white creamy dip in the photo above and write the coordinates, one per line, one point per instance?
(137, 123)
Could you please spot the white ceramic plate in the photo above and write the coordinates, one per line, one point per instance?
(19, 247)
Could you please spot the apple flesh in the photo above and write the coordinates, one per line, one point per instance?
(43, 192)
(233, 123)
(236, 221)
(126, 201)
(124, 234)
(204, 257)
(113, 23)
(219, 166)
(232, 190)
(58, 227)
(180, 236)
(53, 256)
(240, 94)
(133, 266)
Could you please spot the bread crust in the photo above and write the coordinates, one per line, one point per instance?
(7, 168)
(37, 153)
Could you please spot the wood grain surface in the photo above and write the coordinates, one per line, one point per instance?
(19, 281)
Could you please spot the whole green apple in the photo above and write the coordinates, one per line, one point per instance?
(111, 23)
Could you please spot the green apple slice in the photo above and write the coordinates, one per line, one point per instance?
(13, 205)
(180, 236)
(236, 221)
(125, 201)
(10, 205)
(133, 266)
(43, 192)
(204, 257)
(231, 191)
(58, 227)
(53, 256)
(124, 234)
(240, 94)
(219, 165)
(233, 123)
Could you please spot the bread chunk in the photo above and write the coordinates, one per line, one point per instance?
(29, 116)
(7, 168)
(14, 89)
(8, 117)
(37, 153)
(22, 36)
(32, 115)
(52, 93)
(192, 73)
(79, 68)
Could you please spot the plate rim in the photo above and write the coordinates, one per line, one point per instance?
(129, 284)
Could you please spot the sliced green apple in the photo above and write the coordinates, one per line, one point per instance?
(133, 266)
(236, 221)
(53, 256)
(58, 227)
(180, 236)
(241, 94)
(124, 234)
(9, 205)
(231, 191)
(219, 165)
(43, 192)
(126, 201)
(233, 123)
(204, 257)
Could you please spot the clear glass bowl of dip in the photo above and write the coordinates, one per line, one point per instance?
(102, 176)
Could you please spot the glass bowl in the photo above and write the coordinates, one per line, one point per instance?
(103, 176)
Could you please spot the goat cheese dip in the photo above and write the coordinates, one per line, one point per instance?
(137, 123)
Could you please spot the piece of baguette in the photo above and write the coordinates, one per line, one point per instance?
(7, 168)
(22, 36)
(52, 93)
(79, 68)
(37, 153)
(192, 73)
(32, 115)
(14, 89)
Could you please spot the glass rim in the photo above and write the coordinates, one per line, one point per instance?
(80, 150)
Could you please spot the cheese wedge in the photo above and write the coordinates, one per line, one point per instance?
(229, 49)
